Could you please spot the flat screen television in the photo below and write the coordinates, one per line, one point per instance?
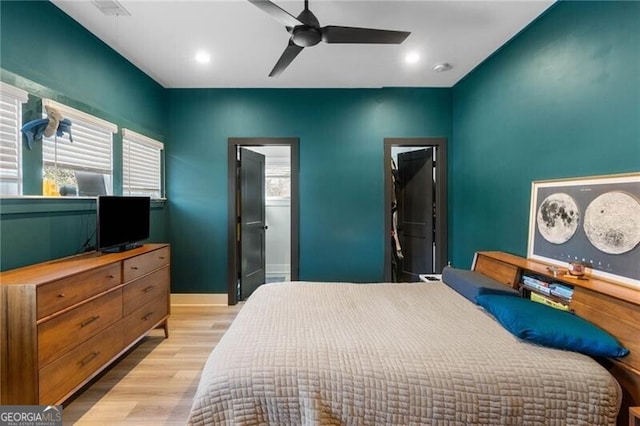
(122, 222)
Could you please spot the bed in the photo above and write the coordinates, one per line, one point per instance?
(419, 353)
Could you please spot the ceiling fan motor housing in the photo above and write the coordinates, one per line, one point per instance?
(309, 34)
(306, 36)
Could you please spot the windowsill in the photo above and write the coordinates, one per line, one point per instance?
(48, 197)
(42, 204)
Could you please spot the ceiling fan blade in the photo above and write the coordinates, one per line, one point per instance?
(286, 58)
(276, 12)
(335, 34)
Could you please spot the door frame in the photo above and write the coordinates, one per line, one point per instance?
(441, 221)
(232, 212)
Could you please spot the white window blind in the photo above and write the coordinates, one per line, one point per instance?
(91, 149)
(278, 170)
(141, 165)
(11, 100)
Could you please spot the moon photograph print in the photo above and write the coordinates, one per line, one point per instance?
(612, 222)
(593, 219)
(558, 218)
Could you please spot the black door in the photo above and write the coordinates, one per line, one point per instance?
(251, 211)
(415, 213)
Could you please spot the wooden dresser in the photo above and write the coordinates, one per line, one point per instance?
(611, 306)
(66, 320)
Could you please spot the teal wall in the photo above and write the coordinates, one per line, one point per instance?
(37, 230)
(48, 54)
(41, 43)
(562, 99)
(341, 172)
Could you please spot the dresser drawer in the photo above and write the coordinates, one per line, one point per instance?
(140, 265)
(58, 335)
(502, 272)
(144, 318)
(63, 293)
(145, 289)
(66, 373)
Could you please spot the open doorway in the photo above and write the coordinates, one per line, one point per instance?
(277, 186)
(415, 207)
(263, 213)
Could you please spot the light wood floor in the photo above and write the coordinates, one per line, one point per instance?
(154, 384)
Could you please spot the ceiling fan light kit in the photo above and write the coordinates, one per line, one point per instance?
(305, 31)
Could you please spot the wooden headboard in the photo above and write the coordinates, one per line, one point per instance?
(613, 307)
(621, 318)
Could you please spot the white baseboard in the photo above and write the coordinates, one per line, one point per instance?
(192, 299)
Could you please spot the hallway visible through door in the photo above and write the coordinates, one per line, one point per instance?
(277, 211)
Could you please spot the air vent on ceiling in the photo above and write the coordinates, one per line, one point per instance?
(111, 8)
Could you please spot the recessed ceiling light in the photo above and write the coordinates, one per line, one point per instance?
(442, 67)
(203, 57)
(412, 58)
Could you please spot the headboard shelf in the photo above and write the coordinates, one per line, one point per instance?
(611, 288)
(612, 306)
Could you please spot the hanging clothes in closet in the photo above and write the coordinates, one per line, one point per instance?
(396, 248)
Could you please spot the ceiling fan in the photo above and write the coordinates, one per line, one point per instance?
(305, 31)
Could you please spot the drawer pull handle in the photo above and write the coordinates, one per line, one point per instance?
(147, 289)
(86, 360)
(61, 295)
(162, 258)
(147, 316)
(89, 321)
(134, 267)
(112, 276)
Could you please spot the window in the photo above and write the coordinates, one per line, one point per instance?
(11, 100)
(141, 165)
(278, 180)
(89, 151)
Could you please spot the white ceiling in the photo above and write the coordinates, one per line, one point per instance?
(161, 38)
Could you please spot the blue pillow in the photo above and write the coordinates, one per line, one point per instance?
(471, 284)
(551, 327)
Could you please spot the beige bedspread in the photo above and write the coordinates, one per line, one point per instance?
(370, 354)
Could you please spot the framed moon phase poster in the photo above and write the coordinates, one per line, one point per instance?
(594, 220)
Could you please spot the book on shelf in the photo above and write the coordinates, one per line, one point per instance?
(536, 279)
(561, 291)
(536, 286)
(541, 285)
(536, 297)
